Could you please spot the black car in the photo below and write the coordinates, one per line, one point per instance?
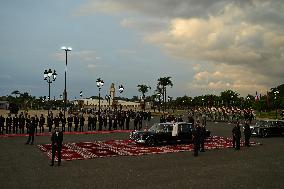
(161, 133)
(265, 128)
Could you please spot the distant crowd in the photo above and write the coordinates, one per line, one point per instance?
(95, 120)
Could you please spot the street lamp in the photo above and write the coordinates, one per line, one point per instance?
(275, 97)
(66, 49)
(100, 83)
(49, 77)
(108, 97)
(120, 89)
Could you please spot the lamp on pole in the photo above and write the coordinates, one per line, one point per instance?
(49, 77)
(120, 89)
(275, 98)
(108, 97)
(66, 49)
(100, 83)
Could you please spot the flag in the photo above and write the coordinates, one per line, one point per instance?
(256, 96)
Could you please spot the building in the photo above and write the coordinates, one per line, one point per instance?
(105, 103)
(4, 105)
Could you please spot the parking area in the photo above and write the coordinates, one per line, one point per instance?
(261, 166)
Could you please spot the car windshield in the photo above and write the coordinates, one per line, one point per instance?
(260, 123)
(157, 127)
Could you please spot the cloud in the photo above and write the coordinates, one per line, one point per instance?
(234, 44)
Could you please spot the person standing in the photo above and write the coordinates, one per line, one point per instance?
(31, 131)
(69, 121)
(247, 133)
(8, 124)
(41, 123)
(196, 138)
(56, 142)
(2, 122)
(127, 121)
(82, 122)
(202, 137)
(22, 122)
(76, 122)
(36, 120)
(63, 123)
(15, 123)
(90, 122)
(49, 122)
(236, 136)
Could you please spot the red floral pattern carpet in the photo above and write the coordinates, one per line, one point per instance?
(110, 148)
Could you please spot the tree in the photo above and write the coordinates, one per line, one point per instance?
(16, 92)
(143, 89)
(163, 82)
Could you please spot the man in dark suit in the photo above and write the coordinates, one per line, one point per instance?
(236, 136)
(247, 133)
(202, 137)
(56, 142)
(31, 131)
(2, 122)
(41, 123)
(9, 124)
(196, 138)
(69, 120)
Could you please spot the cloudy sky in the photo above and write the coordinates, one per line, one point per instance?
(206, 46)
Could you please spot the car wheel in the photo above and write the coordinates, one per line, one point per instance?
(150, 142)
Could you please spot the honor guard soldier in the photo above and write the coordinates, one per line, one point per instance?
(82, 122)
(63, 123)
(36, 123)
(15, 123)
(22, 122)
(2, 122)
(76, 122)
(8, 124)
(28, 122)
(41, 123)
(69, 121)
(49, 122)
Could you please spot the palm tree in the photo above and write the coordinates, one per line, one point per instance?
(143, 89)
(164, 82)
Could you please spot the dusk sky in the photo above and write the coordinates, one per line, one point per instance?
(206, 46)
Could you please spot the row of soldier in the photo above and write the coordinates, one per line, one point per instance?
(224, 114)
(107, 120)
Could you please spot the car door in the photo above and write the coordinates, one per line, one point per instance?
(185, 133)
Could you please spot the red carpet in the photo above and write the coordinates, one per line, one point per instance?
(88, 150)
(68, 133)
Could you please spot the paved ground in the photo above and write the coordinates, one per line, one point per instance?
(25, 166)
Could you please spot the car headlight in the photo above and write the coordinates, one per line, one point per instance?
(141, 136)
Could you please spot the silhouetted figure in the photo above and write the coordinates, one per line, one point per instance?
(56, 142)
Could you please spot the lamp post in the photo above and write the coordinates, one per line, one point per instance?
(100, 83)
(108, 97)
(49, 77)
(275, 98)
(120, 89)
(66, 49)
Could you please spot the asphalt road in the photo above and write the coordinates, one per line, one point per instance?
(25, 166)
